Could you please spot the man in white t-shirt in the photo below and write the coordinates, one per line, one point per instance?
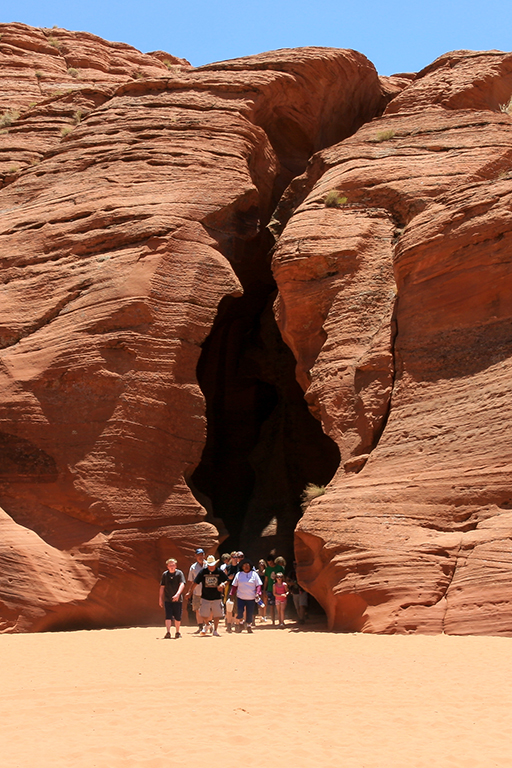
(196, 589)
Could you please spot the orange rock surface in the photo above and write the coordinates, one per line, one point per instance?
(128, 194)
(141, 371)
(404, 350)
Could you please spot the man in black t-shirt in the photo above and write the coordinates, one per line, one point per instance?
(172, 585)
(212, 580)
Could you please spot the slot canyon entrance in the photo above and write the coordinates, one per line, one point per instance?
(263, 446)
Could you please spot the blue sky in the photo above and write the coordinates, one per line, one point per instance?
(396, 36)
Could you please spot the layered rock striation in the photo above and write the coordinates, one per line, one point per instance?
(156, 221)
(405, 354)
(132, 202)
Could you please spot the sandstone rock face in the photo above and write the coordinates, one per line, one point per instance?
(135, 191)
(148, 402)
(397, 305)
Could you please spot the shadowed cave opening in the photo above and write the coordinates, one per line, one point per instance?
(263, 445)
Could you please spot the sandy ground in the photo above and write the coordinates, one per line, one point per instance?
(126, 697)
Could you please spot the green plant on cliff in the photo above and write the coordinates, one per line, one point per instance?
(334, 199)
(384, 135)
(507, 107)
(65, 131)
(8, 118)
(310, 492)
(72, 72)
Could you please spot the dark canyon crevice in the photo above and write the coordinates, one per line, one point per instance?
(263, 445)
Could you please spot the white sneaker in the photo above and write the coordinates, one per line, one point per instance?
(215, 633)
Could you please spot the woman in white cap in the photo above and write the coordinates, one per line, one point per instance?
(193, 590)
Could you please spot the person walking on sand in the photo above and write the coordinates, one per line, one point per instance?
(270, 577)
(281, 595)
(193, 589)
(299, 595)
(229, 600)
(212, 581)
(170, 596)
(262, 610)
(248, 587)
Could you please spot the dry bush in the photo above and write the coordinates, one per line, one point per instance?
(310, 492)
(384, 135)
(8, 118)
(334, 199)
(507, 108)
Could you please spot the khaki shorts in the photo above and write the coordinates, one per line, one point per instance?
(196, 602)
(211, 606)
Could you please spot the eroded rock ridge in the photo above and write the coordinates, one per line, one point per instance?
(156, 221)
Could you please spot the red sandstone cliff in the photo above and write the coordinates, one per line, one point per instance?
(134, 203)
(405, 355)
(129, 189)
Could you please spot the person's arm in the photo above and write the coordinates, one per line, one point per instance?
(233, 585)
(193, 584)
(179, 591)
(161, 596)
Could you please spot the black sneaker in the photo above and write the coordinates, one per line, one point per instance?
(177, 635)
(167, 636)
(249, 629)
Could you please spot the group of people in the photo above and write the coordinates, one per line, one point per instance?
(232, 590)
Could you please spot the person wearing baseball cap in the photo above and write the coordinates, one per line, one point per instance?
(194, 590)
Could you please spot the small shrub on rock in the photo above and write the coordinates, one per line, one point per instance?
(384, 135)
(507, 108)
(8, 118)
(334, 199)
(310, 492)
